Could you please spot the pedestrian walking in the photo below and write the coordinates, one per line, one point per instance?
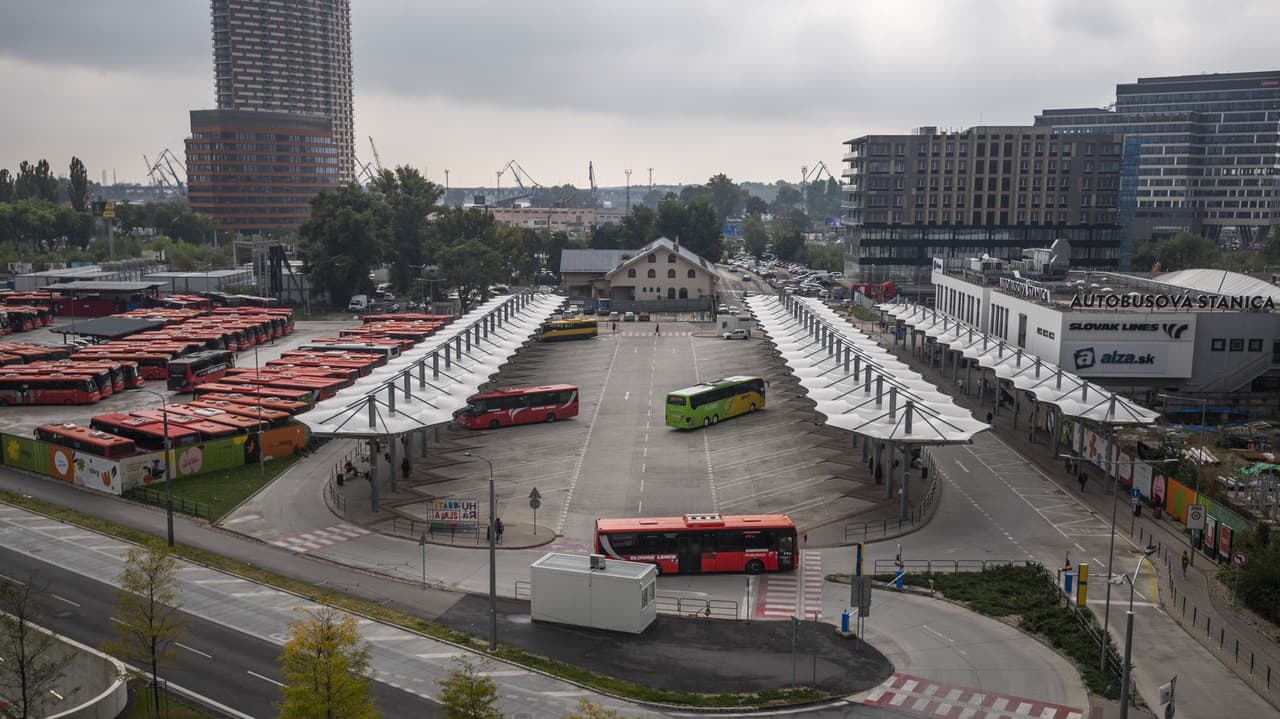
(1083, 479)
(656, 328)
(497, 525)
(1185, 561)
(990, 417)
(404, 467)
(615, 326)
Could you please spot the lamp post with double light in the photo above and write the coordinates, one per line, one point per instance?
(1128, 629)
(493, 554)
(168, 478)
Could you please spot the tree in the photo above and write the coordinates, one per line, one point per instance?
(703, 231)
(410, 199)
(755, 237)
(6, 186)
(588, 709)
(467, 694)
(789, 247)
(342, 241)
(1186, 251)
(79, 191)
(148, 619)
(787, 198)
(471, 266)
(756, 205)
(724, 195)
(325, 665)
(34, 660)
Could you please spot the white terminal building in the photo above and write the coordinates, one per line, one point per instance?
(1194, 331)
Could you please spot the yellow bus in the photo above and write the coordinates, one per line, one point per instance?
(567, 329)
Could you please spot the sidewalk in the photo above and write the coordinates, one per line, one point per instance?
(1215, 626)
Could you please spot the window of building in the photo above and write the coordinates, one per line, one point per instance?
(652, 258)
(631, 272)
(671, 257)
(684, 292)
(671, 274)
(652, 273)
(692, 274)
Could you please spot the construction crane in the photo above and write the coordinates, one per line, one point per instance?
(377, 161)
(527, 184)
(364, 175)
(806, 177)
(161, 172)
(591, 177)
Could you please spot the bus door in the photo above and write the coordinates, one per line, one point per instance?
(786, 552)
(710, 556)
(689, 552)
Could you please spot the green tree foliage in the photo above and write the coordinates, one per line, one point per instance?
(148, 618)
(588, 709)
(755, 237)
(1260, 578)
(325, 665)
(343, 240)
(725, 196)
(6, 186)
(471, 266)
(787, 198)
(822, 198)
(410, 198)
(78, 192)
(467, 694)
(791, 220)
(1185, 251)
(828, 257)
(35, 182)
(562, 196)
(34, 662)
(703, 231)
(789, 246)
(756, 205)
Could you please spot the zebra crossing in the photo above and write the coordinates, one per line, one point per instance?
(319, 538)
(795, 594)
(925, 698)
(623, 333)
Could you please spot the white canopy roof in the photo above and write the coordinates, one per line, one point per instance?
(1073, 395)
(424, 386)
(857, 384)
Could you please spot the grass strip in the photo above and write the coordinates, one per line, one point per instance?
(592, 680)
(212, 495)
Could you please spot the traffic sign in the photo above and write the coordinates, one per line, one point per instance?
(1135, 492)
(535, 498)
(1239, 559)
(1195, 516)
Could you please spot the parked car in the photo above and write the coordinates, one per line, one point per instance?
(746, 278)
(723, 309)
(614, 316)
(738, 334)
(733, 309)
(629, 317)
(643, 317)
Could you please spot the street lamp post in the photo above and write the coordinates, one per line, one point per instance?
(262, 453)
(168, 479)
(493, 555)
(1128, 630)
(1195, 533)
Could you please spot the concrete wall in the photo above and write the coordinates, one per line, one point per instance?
(93, 686)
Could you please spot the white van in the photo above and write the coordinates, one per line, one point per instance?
(358, 303)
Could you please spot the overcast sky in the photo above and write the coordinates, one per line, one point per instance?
(750, 88)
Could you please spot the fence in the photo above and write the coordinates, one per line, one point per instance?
(181, 505)
(414, 528)
(668, 604)
(948, 566)
(1238, 652)
(336, 501)
(919, 514)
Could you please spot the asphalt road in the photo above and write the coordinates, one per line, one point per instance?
(235, 670)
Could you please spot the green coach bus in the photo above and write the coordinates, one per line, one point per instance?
(709, 402)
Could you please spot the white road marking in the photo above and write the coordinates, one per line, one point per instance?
(265, 679)
(7, 578)
(64, 599)
(193, 650)
(627, 395)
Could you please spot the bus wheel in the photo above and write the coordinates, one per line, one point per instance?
(755, 566)
(751, 408)
(706, 421)
(551, 417)
(67, 402)
(494, 424)
(715, 419)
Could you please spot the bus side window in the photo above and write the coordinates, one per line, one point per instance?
(731, 541)
(622, 542)
(760, 540)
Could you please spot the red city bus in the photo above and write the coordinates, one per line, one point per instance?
(147, 366)
(255, 391)
(366, 362)
(206, 429)
(199, 368)
(86, 439)
(360, 368)
(321, 387)
(518, 405)
(148, 434)
(268, 416)
(101, 376)
(348, 375)
(16, 389)
(253, 401)
(697, 543)
(126, 374)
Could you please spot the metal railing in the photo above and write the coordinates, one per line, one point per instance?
(181, 505)
(919, 514)
(414, 528)
(667, 604)
(947, 566)
(336, 500)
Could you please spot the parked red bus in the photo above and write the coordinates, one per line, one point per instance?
(348, 375)
(255, 391)
(697, 543)
(101, 376)
(215, 414)
(322, 388)
(86, 439)
(125, 373)
(18, 389)
(206, 429)
(518, 405)
(146, 433)
(267, 415)
(253, 400)
(146, 365)
(367, 362)
(360, 368)
(199, 368)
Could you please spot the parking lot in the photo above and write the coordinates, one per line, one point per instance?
(618, 459)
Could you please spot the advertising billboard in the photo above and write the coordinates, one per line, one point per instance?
(1096, 344)
(454, 512)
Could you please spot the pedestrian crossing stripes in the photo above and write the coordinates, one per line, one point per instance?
(924, 698)
(795, 594)
(319, 538)
(647, 334)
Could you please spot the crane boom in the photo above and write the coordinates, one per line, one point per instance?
(377, 161)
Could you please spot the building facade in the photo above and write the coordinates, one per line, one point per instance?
(985, 190)
(257, 171)
(577, 222)
(660, 276)
(283, 126)
(1202, 151)
(1212, 335)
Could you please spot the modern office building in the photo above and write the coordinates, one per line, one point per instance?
(985, 190)
(1202, 152)
(283, 124)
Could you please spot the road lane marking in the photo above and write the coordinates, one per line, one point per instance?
(7, 578)
(586, 445)
(193, 650)
(626, 395)
(265, 679)
(64, 599)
